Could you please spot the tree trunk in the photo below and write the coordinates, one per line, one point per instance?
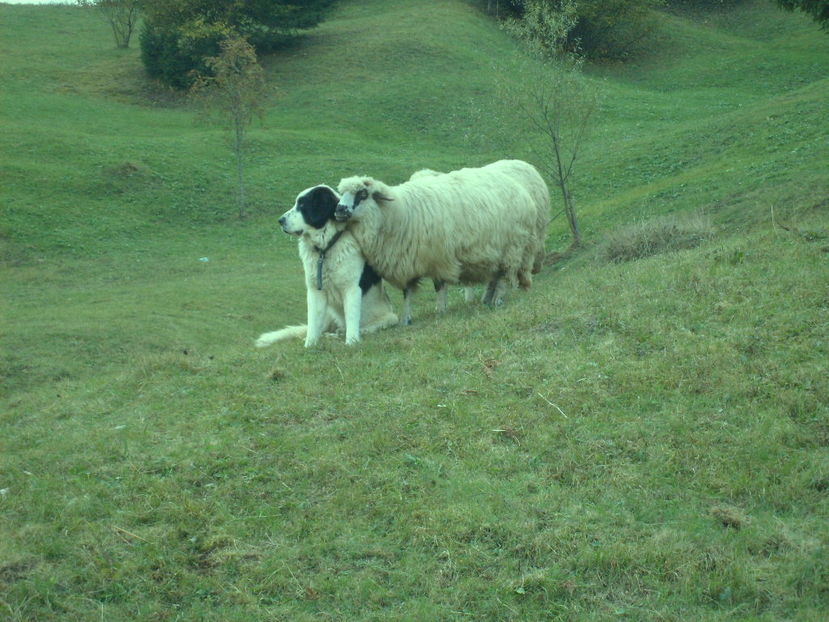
(240, 167)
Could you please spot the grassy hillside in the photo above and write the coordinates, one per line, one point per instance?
(643, 440)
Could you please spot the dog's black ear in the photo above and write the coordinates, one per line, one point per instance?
(318, 206)
(326, 201)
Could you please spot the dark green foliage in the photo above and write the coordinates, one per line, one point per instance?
(179, 34)
(817, 9)
(603, 29)
(704, 4)
(611, 28)
(174, 54)
(503, 8)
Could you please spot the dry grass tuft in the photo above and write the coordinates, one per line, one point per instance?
(730, 517)
(656, 236)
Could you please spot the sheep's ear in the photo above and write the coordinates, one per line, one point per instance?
(379, 196)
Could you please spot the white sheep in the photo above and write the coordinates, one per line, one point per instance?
(529, 176)
(475, 225)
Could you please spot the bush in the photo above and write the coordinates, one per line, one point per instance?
(594, 28)
(818, 10)
(544, 28)
(653, 237)
(178, 35)
(612, 28)
(176, 55)
(704, 4)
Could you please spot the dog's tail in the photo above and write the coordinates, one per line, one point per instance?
(289, 332)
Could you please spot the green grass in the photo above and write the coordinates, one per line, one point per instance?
(644, 440)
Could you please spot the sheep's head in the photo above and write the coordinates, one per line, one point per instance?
(356, 191)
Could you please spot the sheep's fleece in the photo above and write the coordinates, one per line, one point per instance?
(474, 225)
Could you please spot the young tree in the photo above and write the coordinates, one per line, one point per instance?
(560, 107)
(557, 102)
(122, 16)
(234, 90)
(817, 9)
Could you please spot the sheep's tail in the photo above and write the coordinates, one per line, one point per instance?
(289, 332)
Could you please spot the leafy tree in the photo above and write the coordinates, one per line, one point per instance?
(817, 9)
(178, 35)
(122, 16)
(704, 4)
(601, 28)
(234, 89)
(545, 28)
(612, 28)
(557, 105)
(561, 109)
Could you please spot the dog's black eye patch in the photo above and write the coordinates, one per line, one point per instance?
(317, 206)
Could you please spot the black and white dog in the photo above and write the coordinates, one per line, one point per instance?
(343, 292)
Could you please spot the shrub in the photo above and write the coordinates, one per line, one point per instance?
(704, 4)
(612, 28)
(594, 28)
(653, 237)
(175, 55)
(178, 35)
(818, 10)
(545, 28)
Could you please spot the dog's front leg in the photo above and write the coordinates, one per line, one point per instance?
(316, 316)
(352, 308)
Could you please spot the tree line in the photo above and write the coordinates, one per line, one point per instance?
(613, 29)
(178, 36)
(210, 47)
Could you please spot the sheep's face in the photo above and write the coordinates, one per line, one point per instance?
(313, 208)
(350, 202)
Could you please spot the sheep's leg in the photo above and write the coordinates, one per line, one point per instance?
(525, 279)
(494, 295)
(498, 292)
(441, 289)
(469, 294)
(489, 292)
(406, 319)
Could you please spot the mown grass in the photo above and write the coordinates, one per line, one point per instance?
(643, 440)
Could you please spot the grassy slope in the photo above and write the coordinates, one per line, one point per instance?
(646, 440)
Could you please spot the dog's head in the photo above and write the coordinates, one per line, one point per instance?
(313, 208)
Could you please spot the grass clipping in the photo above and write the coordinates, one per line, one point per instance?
(652, 237)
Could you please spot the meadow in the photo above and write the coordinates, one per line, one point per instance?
(644, 435)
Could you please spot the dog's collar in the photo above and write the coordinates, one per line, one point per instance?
(322, 252)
